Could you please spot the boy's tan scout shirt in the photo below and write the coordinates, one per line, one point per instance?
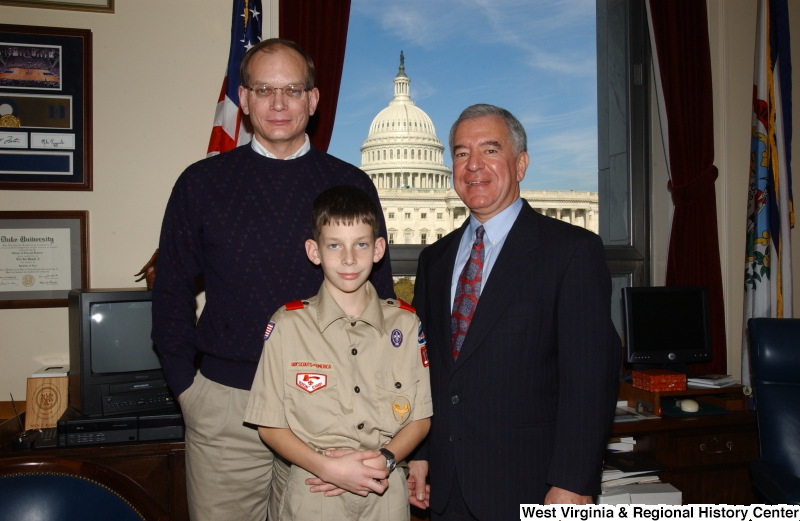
(340, 382)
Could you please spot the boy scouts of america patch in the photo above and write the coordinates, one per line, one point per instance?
(400, 409)
(268, 331)
(397, 338)
(311, 382)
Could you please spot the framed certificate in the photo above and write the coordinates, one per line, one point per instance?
(43, 255)
(97, 6)
(45, 108)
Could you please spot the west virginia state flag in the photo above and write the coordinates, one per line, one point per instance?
(229, 130)
(770, 215)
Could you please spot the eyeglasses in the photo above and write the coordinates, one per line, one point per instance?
(295, 92)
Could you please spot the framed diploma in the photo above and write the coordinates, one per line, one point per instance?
(45, 108)
(97, 6)
(43, 255)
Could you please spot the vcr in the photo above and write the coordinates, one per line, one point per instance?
(135, 396)
(76, 429)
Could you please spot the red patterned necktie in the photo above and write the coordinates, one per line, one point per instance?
(468, 291)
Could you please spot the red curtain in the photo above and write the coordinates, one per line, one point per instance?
(319, 27)
(680, 36)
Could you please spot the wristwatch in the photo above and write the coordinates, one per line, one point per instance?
(391, 462)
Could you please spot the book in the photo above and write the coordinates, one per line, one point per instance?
(711, 381)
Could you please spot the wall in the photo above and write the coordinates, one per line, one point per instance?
(158, 68)
(732, 29)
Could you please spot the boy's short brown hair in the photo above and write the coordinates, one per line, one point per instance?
(344, 204)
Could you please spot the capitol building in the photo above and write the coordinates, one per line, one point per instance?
(404, 158)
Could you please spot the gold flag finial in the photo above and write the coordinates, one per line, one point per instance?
(246, 13)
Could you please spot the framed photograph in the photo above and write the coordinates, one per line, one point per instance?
(97, 6)
(43, 255)
(45, 108)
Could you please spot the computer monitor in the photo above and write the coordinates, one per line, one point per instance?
(666, 327)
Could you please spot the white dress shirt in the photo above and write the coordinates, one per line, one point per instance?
(259, 148)
(495, 232)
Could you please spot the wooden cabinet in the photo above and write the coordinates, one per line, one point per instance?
(158, 467)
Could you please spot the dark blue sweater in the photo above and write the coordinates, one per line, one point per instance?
(240, 220)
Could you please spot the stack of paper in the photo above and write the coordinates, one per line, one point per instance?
(713, 381)
(621, 444)
(623, 468)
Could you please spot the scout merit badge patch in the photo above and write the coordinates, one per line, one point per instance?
(268, 331)
(311, 382)
(397, 337)
(400, 409)
(423, 349)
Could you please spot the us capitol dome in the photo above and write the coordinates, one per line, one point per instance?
(404, 159)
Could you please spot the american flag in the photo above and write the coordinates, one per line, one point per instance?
(770, 213)
(228, 131)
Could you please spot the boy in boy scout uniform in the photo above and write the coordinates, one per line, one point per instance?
(343, 371)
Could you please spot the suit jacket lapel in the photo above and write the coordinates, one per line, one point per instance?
(518, 256)
(441, 306)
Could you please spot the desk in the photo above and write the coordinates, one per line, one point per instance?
(713, 474)
(708, 456)
(157, 466)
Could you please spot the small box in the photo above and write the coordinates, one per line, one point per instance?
(46, 401)
(658, 380)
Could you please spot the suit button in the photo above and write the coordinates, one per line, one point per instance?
(357, 389)
(398, 385)
(360, 426)
(354, 351)
(455, 400)
(451, 437)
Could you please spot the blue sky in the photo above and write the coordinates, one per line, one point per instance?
(535, 58)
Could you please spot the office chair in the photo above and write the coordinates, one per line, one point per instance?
(61, 489)
(775, 362)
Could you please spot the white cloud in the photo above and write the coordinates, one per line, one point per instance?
(541, 30)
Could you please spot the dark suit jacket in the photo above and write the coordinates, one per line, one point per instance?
(530, 402)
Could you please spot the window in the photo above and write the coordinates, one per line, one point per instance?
(391, 238)
(408, 215)
(391, 215)
(384, 154)
(405, 153)
(438, 236)
(423, 238)
(423, 216)
(412, 153)
(439, 215)
(408, 237)
(391, 154)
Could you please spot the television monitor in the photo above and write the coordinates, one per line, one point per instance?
(666, 327)
(114, 367)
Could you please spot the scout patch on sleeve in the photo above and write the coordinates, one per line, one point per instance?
(423, 349)
(400, 409)
(311, 382)
(268, 331)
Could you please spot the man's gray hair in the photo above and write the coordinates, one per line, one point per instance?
(516, 132)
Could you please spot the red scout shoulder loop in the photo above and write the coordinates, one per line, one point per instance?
(295, 304)
(406, 306)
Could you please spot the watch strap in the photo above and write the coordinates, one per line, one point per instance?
(391, 462)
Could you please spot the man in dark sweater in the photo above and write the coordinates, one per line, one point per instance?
(240, 220)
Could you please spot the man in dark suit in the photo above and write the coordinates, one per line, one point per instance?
(523, 356)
